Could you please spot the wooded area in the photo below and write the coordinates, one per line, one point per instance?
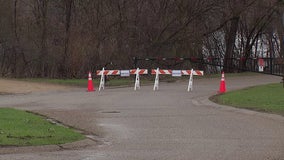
(68, 38)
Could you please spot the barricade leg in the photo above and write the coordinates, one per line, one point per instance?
(190, 82)
(156, 84)
(102, 81)
(137, 80)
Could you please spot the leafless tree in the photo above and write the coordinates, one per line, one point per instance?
(67, 38)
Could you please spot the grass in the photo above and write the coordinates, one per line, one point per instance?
(20, 128)
(69, 82)
(84, 82)
(129, 81)
(265, 98)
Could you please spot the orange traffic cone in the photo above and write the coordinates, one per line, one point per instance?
(222, 84)
(90, 83)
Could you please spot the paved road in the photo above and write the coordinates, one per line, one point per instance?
(169, 124)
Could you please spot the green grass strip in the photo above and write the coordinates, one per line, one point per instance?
(265, 98)
(68, 82)
(84, 82)
(20, 128)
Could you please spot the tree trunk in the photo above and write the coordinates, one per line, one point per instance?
(230, 43)
(68, 12)
(44, 52)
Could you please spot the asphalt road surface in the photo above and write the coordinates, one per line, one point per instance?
(168, 124)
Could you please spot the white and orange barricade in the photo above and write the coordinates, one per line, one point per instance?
(157, 72)
(194, 72)
(108, 72)
(103, 73)
(137, 73)
(141, 71)
(176, 73)
(191, 73)
(161, 71)
(122, 73)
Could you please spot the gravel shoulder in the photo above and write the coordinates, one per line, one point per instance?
(10, 86)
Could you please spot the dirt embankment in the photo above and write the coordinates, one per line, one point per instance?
(8, 86)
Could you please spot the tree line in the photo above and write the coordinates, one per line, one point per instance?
(68, 38)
